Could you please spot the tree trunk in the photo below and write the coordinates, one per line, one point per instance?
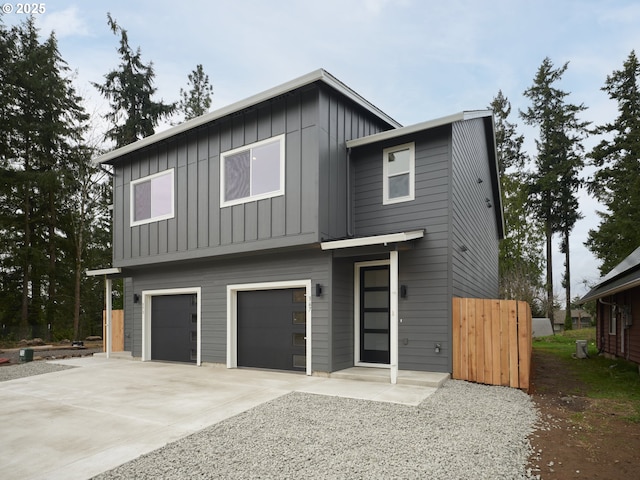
(549, 236)
(51, 301)
(26, 265)
(568, 325)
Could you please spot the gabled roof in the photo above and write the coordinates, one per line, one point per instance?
(622, 277)
(319, 75)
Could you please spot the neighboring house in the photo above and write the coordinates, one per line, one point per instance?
(617, 297)
(579, 319)
(304, 229)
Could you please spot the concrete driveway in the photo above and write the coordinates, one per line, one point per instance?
(76, 423)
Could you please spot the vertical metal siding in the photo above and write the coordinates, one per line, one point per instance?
(338, 122)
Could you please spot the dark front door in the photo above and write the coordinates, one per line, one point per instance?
(374, 314)
(174, 328)
(272, 329)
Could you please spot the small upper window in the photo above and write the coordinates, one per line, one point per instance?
(152, 198)
(613, 327)
(399, 174)
(252, 172)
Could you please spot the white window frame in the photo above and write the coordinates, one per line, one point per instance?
(132, 198)
(613, 320)
(412, 173)
(252, 198)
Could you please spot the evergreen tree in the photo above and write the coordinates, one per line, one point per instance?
(42, 125)
(197, 100)
(558, 163)
(617, 181)
(129, 90)
(520, 254)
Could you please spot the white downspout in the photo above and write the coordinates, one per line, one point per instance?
(393, 320)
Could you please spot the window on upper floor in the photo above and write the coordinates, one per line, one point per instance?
(399, 174)
(152, 198)
(252, 172)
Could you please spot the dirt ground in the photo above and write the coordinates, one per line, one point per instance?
(579, 437)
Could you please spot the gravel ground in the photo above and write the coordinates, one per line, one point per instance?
(11, 372)
(15, 369)
(463, 431)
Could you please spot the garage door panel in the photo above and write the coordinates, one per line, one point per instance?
(271, 329)
(174, 328)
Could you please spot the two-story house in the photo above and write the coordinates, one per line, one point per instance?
(304, 229)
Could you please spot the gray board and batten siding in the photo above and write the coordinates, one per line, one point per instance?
(429, 268)
(334, 143)
(316, 122)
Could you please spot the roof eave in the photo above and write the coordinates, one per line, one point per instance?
(418, 127)
(600, 292)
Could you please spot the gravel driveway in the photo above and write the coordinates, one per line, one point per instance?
(463, 431)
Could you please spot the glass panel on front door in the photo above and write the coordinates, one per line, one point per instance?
(374, 314)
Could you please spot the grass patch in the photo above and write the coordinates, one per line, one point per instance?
(615, 380)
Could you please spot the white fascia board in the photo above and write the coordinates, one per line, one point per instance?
(103, 271)
(373, 240)
(418, 127)
(315, 76)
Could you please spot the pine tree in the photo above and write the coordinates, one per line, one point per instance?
(197, 100)
(520, 254)
(616, 183)
(558, 163)
(129, 90)
(42, 124)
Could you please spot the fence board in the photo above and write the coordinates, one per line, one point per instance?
(488, 341)
(524, 343)
(464, 342)
(471, 338)
(117, 331)
(492, 341)
(495, 354)
(504, 346)
(457, 320)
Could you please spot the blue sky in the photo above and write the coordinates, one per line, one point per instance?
(415, 59)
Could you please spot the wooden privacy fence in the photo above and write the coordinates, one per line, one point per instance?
(492, 341)
(117, 331)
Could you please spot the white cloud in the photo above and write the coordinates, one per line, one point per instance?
(65, 23)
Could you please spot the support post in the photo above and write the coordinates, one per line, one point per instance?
(393, 320)
(108, 308)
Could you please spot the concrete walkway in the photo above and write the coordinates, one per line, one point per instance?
(76, 423)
